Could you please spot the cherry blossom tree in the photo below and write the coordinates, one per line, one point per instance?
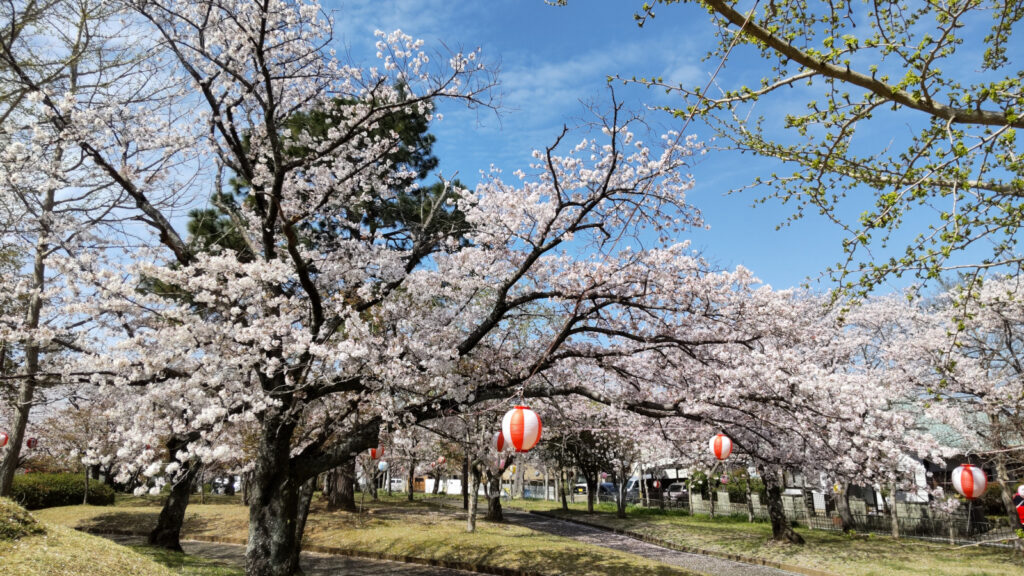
(962, 351)
(322, 349)
(339, 340)
(798, 387)
(58, 206)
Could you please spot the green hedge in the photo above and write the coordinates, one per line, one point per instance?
(34, 491)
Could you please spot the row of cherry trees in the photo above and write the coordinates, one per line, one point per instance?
(323, 328)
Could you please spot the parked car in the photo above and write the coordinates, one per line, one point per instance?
(676, 491)
(604, 489)
(633, 488)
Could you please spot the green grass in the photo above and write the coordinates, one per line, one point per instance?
(16, 522)
(431, 527)
(65, 552)
(853, 555)
(391, 527)
(32, 548)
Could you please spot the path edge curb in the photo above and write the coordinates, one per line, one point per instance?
(353, 553)
(689, 549)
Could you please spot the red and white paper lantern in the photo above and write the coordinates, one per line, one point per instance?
(3, 439)
(498, 442)
(441, 460)
(521, 428)
(376, 453)
(721, 446)
(32, 443)
(969, 481)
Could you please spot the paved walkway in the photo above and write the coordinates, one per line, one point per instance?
(312, 564)
(598, 537)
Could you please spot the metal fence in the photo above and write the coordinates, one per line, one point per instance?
(915, 522)
(942, 527)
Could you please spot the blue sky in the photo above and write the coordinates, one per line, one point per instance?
(551, 59)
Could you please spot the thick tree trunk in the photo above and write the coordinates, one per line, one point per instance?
(591, 491)
(494, 500)
(274, 505)
(437, 484)
(305, 498)
(781, 530)
(167, 533)
(473, 482)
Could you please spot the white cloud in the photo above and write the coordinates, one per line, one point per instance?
(431, 20)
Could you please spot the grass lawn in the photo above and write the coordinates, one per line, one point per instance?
(54, 550)
(854, 555)
(389, 527)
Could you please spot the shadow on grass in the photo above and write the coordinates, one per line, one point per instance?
(186, 564)
(135, 523)
(140, 523)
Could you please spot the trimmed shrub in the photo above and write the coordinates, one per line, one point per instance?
(15, 522)
(34, 491)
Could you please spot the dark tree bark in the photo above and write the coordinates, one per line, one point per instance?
(410, 481)
(591, 478)
(781, 529)
(561, 484)
(713, 489)
(305, 498)
(274, 503)
(494, 500)
(167, 533)
(465, 483)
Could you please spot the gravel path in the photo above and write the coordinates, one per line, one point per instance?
(696, 562)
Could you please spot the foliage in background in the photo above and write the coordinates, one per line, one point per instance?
(34, 491)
